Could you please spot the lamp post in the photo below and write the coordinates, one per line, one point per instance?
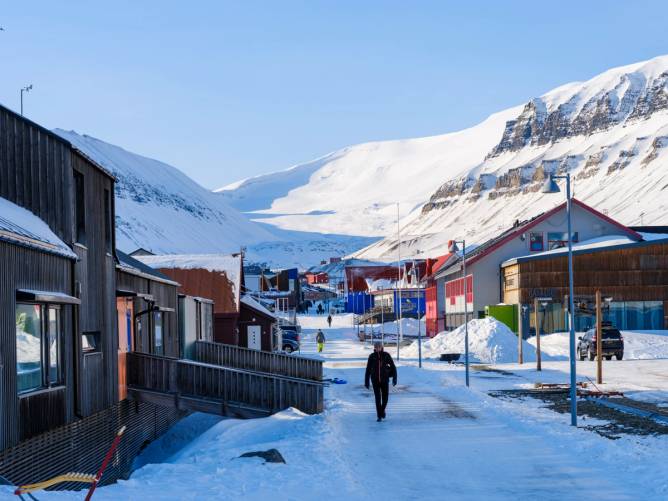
(452, 248)
(27, 88)
(550, 186)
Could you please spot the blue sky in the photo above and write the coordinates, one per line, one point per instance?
(226, 90)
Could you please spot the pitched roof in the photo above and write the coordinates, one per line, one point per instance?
(132, 265)
(521, 227)
(21, 227)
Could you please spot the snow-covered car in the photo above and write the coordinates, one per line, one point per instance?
(612, 343)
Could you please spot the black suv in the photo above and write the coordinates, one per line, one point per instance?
(612, 344)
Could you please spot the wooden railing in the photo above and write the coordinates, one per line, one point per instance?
(231, 387)
(261, 361)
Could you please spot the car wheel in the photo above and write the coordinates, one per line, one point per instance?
(287, 348)
(580, 355)
(619, 356)
(592, 356)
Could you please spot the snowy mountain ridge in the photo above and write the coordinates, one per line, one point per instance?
(161, 209)
(609, 132)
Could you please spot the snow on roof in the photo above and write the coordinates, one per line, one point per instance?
(599, 243)
(20, 226)
(253, 303)
(229, 264)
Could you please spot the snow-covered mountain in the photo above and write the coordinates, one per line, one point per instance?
(162, 210)
(609, 132)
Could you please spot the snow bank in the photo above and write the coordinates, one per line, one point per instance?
(638, 345)
(490, 341)
(409, 327)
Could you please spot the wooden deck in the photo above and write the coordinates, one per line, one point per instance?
(260, 361)
(204, 387)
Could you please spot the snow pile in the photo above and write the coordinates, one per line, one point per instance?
(409, 327)
(490, 341)
(638, 345)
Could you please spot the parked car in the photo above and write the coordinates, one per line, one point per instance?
(291, 340)
(612, 343)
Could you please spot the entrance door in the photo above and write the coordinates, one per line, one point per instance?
(125, 341)
(254, 337)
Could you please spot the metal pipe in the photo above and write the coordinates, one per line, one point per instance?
(573, 392)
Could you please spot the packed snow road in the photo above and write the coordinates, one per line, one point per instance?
(440, 441)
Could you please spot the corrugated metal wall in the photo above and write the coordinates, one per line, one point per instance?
(25, 268)
(35, 171)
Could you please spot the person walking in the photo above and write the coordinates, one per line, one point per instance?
(320, 339)
(380, 369)
(329, 320)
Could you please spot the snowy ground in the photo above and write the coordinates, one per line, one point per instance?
(440, 441)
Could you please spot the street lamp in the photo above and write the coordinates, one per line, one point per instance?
(27, 88)
(452, 248)
(550, 186)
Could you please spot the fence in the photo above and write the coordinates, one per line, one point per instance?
(231, 386)
(261, 361)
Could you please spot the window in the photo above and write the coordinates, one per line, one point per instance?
(557, 240)
(79, 208)
(90, 342)
(107, 220)
(38, 347)
(535, 242)
(158, 344)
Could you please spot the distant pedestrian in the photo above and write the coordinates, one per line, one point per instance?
(320, 339)
(329, 320)
(380, 369)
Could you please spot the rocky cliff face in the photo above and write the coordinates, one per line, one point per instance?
(632, 98)
(610, 133)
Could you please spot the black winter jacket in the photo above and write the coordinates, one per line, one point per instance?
(380, 368)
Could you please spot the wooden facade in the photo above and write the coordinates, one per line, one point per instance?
(631, 272)
(254, 318)
(66, 419)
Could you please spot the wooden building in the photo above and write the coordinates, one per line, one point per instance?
(214, 276)
(257, 326)
(59, 391)
(546, 231)
(195, 323)
(632, 275)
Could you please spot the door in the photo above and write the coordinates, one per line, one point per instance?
(125, 342)
(254, 337)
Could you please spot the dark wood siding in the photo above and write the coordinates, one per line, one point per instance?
(24, 268)
(166, 296)
(35, 171)
(94, 273)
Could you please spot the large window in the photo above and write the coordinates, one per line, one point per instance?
(38, 346)
(108, 224)
(79, 208)
(557, 240)
(158, 348)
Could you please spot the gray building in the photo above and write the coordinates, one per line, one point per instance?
(483, 264)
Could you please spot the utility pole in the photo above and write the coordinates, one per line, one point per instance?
(536, 313)
(399, 326)
(520, 331)
(26, 89)
(599, 339)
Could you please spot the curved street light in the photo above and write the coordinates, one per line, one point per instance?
(550, 186)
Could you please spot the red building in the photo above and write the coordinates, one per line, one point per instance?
(434, 298)
(316, 278)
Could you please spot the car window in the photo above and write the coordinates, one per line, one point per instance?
(611, 334)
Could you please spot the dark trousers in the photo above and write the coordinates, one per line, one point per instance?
(381, 392)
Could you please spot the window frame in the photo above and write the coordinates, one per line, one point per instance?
(561, 243)
(79, 208)
(45, 347)
(531, 241)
